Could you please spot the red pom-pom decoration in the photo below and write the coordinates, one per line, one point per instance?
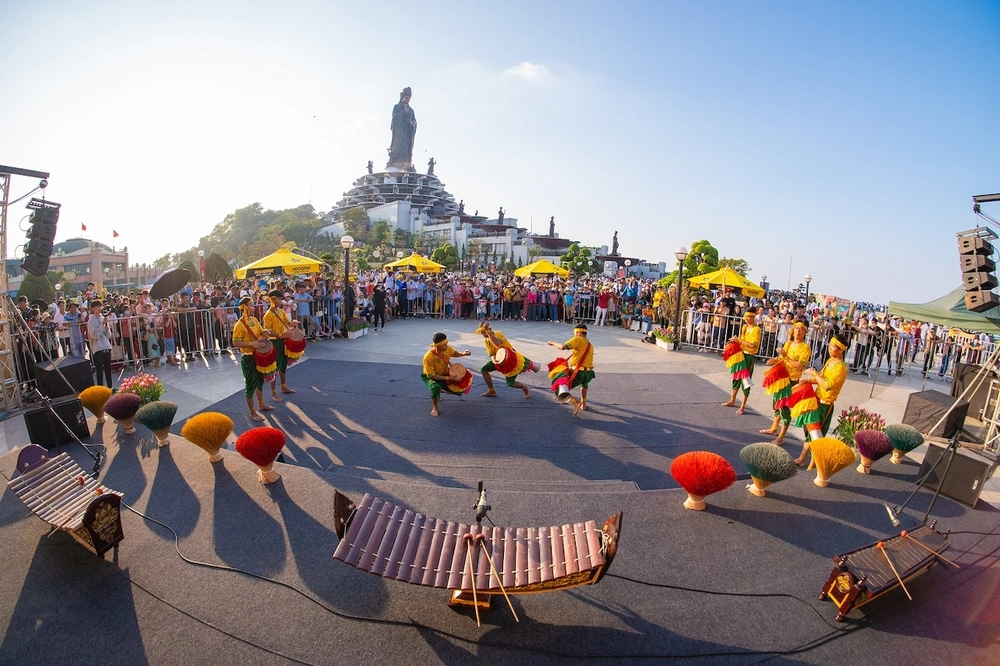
(701, 473)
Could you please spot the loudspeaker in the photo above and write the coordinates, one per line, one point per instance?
(974, 245)
(976, 262)
(35, 264)
(965, 374)
(966, 476)
(980, 301)
(926, 408)
(77, 370)
(979, 280)
(45, 430)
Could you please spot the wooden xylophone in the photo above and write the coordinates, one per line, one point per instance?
(861, 575)
(398, 543)
(59, 492)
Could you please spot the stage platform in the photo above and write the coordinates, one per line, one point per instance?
(360, 423)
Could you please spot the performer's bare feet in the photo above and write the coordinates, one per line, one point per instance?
(741, 411)
(800, 462)
(285, 389)
(769, 431)
(731, 403)
(577, 406)
(583, 405)
(434, 411)
(527, 393)
(489, 394)
(265, 408)
(256, 417)
(275, 398)
(779, 442)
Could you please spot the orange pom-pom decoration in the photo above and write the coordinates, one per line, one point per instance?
(701, 473)
(261, 446)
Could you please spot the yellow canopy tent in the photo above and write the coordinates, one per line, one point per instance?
(415, 262)
(285, 259)
(727, 277)
(541, 267)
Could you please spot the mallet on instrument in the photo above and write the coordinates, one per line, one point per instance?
(906, 535)
(881, 547)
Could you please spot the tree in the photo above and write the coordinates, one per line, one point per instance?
(703, 258)
(163, 263)
(736, 265)
(190, 268)
(447, 255)
(381, 233)
(217, 269)
(579, 261)
(36, 287)
(356, 223)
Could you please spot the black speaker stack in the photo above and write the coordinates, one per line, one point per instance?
(978, 268)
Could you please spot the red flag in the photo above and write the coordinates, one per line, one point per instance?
(114, 234)
(83, 227)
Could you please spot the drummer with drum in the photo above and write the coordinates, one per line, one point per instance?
(250, 338)
(285, 335)
(503, 359)
(440, 374)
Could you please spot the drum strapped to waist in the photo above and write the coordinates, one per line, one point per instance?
(559, 375)
(459, 377)
(505, 360)
(295, 341)
(264, 356)
(398, 543)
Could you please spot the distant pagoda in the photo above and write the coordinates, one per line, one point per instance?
(424, 192)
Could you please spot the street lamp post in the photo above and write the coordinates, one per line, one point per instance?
(201, 264)
(628, 263)
(347, 243)
(808, 278)
(681, 254)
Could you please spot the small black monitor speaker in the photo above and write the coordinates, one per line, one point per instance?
(45, 429)
(76, 370)
(966, 476)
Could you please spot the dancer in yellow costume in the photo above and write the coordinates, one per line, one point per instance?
(794, 355)
(246, 332)
(828, 381)
(494, 340)
(582, 363)
(435, 368)
(277, 321)
(749, 341)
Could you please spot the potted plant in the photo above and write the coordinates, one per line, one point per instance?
(664, 337)
(356, 327)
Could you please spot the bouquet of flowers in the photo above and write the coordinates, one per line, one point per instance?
(854, 419)
(144, 385)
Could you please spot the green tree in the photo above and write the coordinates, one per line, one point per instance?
(579, 261)
(190, 268)
(737, 265)
(36, 287)
(163, 263)
(381, 233)
(447, 255)
(217, 269)
(703, 258)
(356, 224)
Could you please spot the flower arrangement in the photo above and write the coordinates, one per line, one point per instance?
(144, 385)
(356, 324)
(665, 334)
(854, 419)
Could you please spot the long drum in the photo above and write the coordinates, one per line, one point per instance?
(265, 358)
(459, 378)
(295, 343)
(398, 543)
(506, 360)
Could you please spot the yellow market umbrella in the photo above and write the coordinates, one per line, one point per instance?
(727, 278)
(415, 262)
(285, 259)
(541, 267)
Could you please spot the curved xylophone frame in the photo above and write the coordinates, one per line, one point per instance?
(473, 561)
(862, 575)
(59, 492)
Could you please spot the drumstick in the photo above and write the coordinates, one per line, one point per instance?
(906, 534)
(881, 546)
(472, 574)
(482, 539)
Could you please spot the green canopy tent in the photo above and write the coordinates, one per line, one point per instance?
(949, 310)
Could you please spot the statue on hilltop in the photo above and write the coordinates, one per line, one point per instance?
(404, 129)
(614, 245)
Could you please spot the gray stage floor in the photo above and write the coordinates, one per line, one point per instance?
(735, 584)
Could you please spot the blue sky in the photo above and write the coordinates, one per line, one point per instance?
(840, 139)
